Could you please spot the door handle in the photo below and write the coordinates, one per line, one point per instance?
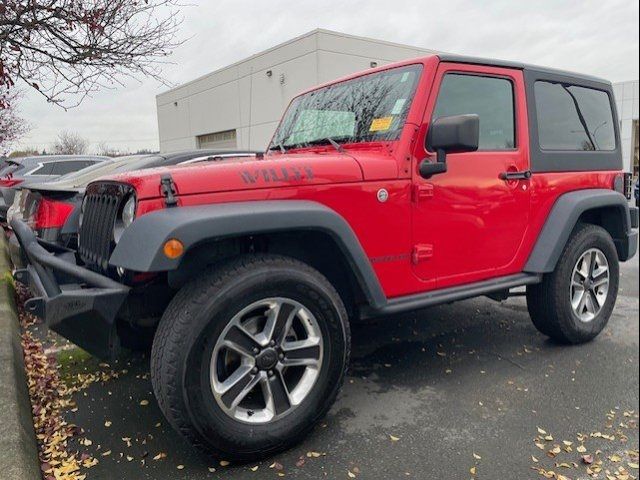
(509, 176)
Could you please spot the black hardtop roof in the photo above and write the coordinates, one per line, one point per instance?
(521, 66)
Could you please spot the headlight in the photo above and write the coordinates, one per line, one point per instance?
(126, 218)
(129, 211)
(82, 206)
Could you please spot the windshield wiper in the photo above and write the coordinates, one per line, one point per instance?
(329, 140)
(278, 146)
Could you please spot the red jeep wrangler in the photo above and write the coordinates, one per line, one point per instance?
(414, 184)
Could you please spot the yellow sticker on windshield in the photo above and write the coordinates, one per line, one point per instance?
(381, 124)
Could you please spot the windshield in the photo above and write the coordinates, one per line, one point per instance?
(373, 107)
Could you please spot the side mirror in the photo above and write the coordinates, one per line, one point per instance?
(455, 134)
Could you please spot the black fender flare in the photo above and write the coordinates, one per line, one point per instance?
(563, 218)
(140, 247)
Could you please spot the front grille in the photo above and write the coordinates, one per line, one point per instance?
(103, 201)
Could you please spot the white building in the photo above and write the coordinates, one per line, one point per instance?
(241, 105)
(627, 98)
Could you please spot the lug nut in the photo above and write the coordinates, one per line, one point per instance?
(254, 370)
(256, 351)
(281, 356)
(272, 343)
(271, 373)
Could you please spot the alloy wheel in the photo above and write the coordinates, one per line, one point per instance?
(590, 284)
(266, 361)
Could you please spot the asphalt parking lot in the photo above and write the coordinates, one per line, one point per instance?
(429, 395)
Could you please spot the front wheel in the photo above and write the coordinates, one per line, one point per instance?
(249, 356)
(573, 304)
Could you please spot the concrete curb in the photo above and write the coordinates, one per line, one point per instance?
(18, 446)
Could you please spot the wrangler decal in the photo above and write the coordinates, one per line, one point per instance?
(390, 258)
(283, 174)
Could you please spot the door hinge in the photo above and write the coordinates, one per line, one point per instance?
(421, 253)
(422, 191)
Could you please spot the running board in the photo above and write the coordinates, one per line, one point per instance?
(452, 294)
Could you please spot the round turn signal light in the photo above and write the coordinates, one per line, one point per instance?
(173, 248)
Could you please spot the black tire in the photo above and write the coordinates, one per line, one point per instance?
(549, 302)
(195, 319)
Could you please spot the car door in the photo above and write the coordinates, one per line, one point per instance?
(469, 223)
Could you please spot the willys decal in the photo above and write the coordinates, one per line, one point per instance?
(280, 174)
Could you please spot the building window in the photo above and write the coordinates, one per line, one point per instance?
(226, 139)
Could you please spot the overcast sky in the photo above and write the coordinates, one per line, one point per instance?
(597, 37)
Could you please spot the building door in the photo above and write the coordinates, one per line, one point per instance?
(218, 140)
(468, 223)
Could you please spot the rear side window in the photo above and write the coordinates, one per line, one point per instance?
(44, 169)
(62, 168)
(490, 98)
(573, 118)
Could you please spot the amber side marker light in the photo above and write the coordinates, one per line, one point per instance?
(173, 248)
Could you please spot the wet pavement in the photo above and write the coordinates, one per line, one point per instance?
(424, 393)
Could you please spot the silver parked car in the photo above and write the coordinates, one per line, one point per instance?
(27, 170)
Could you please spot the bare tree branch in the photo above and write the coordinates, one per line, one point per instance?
(12, 126)
(70, 143)
(68, 49)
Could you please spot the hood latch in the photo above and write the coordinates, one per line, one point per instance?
(168, 190)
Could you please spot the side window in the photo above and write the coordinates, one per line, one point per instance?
(573, 118)
(44, 169)
(62, 168)
(492, 99)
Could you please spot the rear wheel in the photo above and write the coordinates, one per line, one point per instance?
(248, 357)
(573, 304)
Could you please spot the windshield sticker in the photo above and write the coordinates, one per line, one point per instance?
(405, 77)
(399, 105)
(381, 124)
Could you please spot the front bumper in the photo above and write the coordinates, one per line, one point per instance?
(73, 301)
